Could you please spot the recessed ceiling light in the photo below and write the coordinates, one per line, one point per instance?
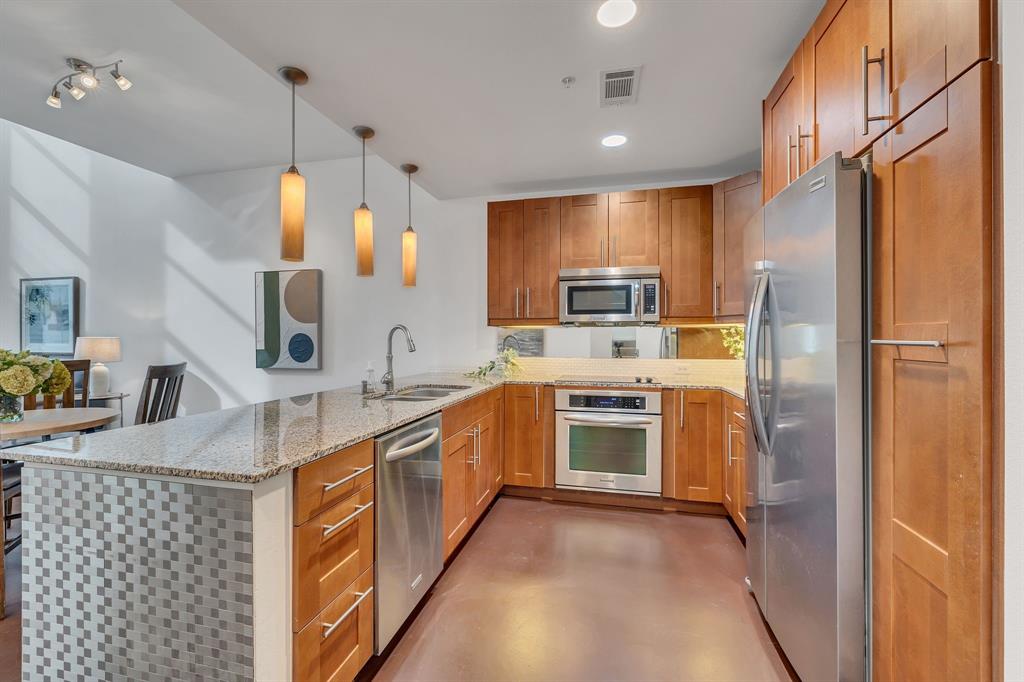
(614, 140)
(615, 13)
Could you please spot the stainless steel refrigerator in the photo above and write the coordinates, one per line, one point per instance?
(806, 391)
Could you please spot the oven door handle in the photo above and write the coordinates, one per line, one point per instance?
(608, 421)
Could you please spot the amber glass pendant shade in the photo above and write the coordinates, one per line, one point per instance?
(409, 257)
(363, 220)
(293, 215)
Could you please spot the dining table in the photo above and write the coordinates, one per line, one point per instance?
(48, 422)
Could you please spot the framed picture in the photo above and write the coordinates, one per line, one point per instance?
(288, 313)
(49, 315)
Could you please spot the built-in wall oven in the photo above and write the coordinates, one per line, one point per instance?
(608, 440)
(628, 295)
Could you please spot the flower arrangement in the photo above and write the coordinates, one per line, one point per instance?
(26, 374)
(507, 360)
(733, 340)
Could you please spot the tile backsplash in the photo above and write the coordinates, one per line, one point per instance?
(710, 372)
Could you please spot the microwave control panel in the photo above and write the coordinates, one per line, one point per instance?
(650, 299)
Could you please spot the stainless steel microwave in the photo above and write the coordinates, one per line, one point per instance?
(629, 295)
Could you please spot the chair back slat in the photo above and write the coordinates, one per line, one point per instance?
(75, 367)
(161, 393)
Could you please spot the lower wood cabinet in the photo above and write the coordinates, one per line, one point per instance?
(526, 408)
(734, 494)
(469, 459)
(698, 446)
(337, 644)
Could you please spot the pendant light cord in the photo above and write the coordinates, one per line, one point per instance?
(364, 170)
(409, 175)
(293, 124)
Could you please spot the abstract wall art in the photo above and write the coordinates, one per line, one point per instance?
(288, 313)
(49, 315)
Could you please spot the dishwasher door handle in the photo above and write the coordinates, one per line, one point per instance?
(609, 421)
(395, 454)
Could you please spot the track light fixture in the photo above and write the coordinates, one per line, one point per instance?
(83, 75)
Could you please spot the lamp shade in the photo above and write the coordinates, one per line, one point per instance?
(98, 348)
(363, 219)
(293, 215)
(409, 257)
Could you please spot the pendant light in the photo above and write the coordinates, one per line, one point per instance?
(409, 236)
(363, 217)
(293, 186)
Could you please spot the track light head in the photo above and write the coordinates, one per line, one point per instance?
(54, 99)
(122, 82)
(88, 80)
(73, 90)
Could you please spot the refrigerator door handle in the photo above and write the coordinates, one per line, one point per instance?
(755, 320)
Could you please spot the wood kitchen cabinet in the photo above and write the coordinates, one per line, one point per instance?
(523, 247)
(932, 43)
(584, 231)
(696, 442)
(734, 486)
(526, 406)
(785, 124)
(633, 228)
(845, 34)
(470, 452)
(686, 252)
(932, 466)
(735, 201)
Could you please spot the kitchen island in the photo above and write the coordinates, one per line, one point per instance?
(168, 551)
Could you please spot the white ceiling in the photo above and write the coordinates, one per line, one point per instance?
(470, 89)
(196, 105)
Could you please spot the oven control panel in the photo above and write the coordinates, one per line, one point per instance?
(609, 402)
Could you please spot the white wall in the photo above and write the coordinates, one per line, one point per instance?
(168, 266)
(1011, 40)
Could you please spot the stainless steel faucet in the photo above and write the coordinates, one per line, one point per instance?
(388, 380)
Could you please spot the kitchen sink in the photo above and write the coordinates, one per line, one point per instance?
(419, 394)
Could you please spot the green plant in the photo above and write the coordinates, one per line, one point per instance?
(733, 340)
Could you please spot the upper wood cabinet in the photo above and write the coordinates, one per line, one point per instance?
(736, 200)
(584, 231)
(633, 228)
(541, 253)
(504, 259)
(523, 242)
(785, 128)
(526, 406)
(686, 251)
(933, 42)
(849, 39)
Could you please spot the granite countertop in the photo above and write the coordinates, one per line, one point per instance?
(252, 443)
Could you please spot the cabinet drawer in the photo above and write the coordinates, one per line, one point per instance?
(320, 484)
(336, 644)
(331, 551)
(463, 415)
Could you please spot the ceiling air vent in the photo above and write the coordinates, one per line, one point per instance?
(619, 86)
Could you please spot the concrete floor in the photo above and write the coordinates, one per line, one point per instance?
(10, 627)
(555, 592)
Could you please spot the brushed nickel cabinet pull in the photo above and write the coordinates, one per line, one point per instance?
(329, 628)
(864, 61)
(536, 403)
(897, 342)
(360, 508)
(800, 135)
(789, 158)
(717, 288)
(331, 486)
(730, 444)
(517, 303)
(682, 410)
(527, 302)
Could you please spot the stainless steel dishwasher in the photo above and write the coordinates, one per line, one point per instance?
(408, 523)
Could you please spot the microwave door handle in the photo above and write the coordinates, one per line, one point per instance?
(636, 302)
(755, 320)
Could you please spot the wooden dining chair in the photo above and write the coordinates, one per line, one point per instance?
(160, 393)
(77, 368)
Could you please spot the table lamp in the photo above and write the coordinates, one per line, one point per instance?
(99, 349)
